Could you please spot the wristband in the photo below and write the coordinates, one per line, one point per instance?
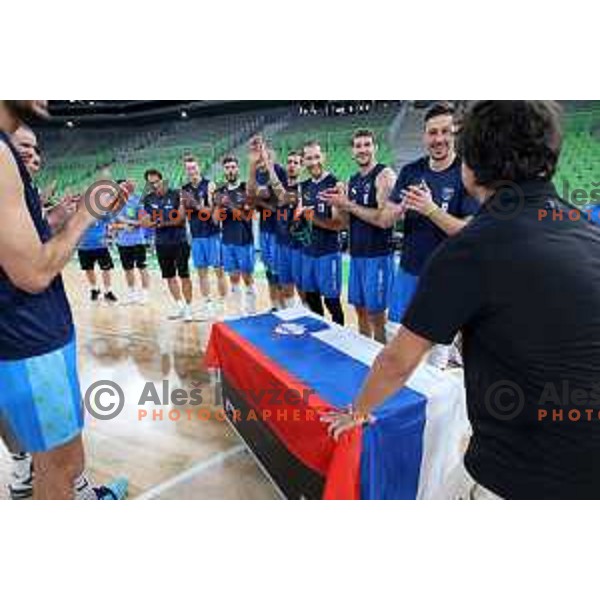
(431, 212)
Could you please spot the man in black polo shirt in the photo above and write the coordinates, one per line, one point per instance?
(522, 283)
(164, 211)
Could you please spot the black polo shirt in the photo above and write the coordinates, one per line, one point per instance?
(525, 292)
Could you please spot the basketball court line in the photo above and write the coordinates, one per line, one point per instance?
(190, 473)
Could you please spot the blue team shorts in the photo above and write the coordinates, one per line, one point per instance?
(268, 252)
(40, 404)
(403, 290)
(206, 252)
(296, 258)
(238, 259)
(370, 282)
(322, 274)
(283, 264)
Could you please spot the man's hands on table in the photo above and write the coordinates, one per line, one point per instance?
(342, 421)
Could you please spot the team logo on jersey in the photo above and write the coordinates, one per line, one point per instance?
(291, 196)
(447, 194)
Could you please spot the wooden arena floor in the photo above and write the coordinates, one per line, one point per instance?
(134, 345)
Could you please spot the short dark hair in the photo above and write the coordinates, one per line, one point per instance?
(154, 172)
(120, 181)
(190, 158)
(511, 140)
(439, 109)
(359, 133)
(229, 158)
(294, 153)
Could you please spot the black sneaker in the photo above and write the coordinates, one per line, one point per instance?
(94, 295)
(110, 297)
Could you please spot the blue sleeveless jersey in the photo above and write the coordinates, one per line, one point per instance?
(324, 241)
(285, 217)
(164, 207)
(236, 231)
(32, 324)
(268, 223)
(422, 236)
(200, 228)
(366, 239)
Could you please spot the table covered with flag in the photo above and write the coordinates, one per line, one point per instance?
(281, 371)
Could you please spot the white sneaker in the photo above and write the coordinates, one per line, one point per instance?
(131, 298)
(238, 304)
(142, 297)
(177, 312)
(186, 313)
(209, 307)
(218, 308)
(250, 302)
(203, 313)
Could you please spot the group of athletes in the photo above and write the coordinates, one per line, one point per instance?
(506, 285)
(299, 223)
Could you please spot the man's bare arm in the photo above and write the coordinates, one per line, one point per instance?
(336, 223)
(177, 221)
(28, 263)
(385, 215)
(212, 188)
(449, 224)
(421, 200)
(276, 185)
(391, 369)
(251, 185)
(389, 373)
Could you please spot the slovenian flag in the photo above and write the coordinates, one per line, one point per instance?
(406, 453)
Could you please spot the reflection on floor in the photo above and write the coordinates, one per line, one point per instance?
(137, 347)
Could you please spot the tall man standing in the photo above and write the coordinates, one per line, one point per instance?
(433, 202)
(165, 213)
(198, 195)
(261, 189)
(42, 414)
(525, 293)
(92, 250)
(131, 244)
(371, 265)
(321, 258)
(235, 213)
(287, 254)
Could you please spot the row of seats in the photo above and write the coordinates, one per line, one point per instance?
(78, 157)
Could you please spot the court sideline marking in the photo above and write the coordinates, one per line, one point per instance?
(190, 473)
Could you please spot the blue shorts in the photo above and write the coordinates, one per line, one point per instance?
(283, 264)
(370, 282)
(296, 257)
(403, 290)
(238, 259)
(322, 274)
(268, 245)
(40, 404)
(206, 252)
